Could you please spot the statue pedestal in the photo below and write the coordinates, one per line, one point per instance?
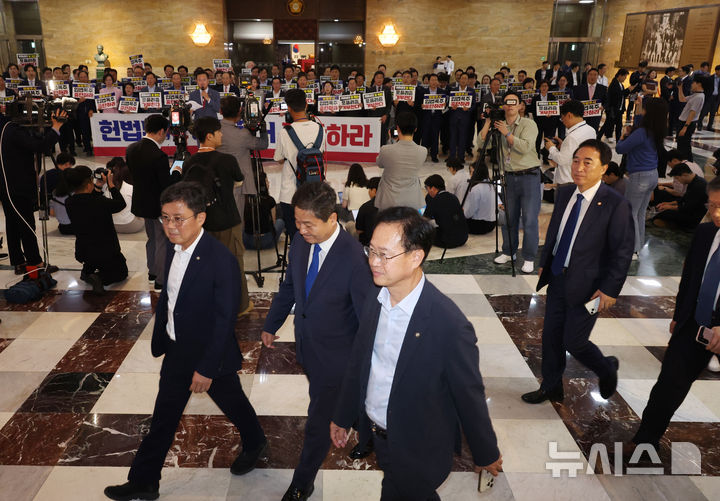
(99, 72)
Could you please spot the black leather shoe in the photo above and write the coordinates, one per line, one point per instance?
(158, 287)
(360, 451)
(94, 280)
(151, 278)
(539, 396)
(51, 268)
(609, 384)
(246, 460)
(20, 269)
(435, 160)
(129, 490)
(295, 494)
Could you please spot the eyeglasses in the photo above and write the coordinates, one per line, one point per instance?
(175, 220)
(382, 257)
(712, 207)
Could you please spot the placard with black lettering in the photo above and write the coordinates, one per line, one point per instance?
(527, 96)
(28, 90)
(58, 88)
(276, 104)
(150, 100)
(433, 102)
(12, 83)
(560, 95)
(105, 101)
(461, 99)
(350, 102)
(128, 104)
(137, 61)
(288, 86)
(328, 104)
(309, 95)
(223, 65)
(174, 97)
(374, 100)
(593, 108)
(403, 92)
(547, 109)
(83, 90)
(24, 59)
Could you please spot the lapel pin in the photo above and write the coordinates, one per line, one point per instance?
(599, 204)
(197, 258)
(417, 334)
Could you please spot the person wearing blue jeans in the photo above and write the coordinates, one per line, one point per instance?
(522, 178)
(641, 145)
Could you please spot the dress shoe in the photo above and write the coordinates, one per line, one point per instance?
(362, 451)
(20, 269)
(50, 268)
(539, 396)
(502, 259)
(151, 278)
(295, 494)
(158, 287)
(130, 490)
(435, 160)
(246, 460)
(714, 365)
(94, 280)
(609, 384)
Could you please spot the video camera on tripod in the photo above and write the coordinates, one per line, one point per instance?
(495, 113)
(180, 124)
(253, 113)
(37, 111)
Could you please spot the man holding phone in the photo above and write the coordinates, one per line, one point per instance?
(588, 249)
(694, 329)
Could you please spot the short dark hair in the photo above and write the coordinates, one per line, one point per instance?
(417, 231)
(620, 72)
(319, 198)
(169, 66)
(435, 181)
(205, 126)
(29, 66)
(603, 149)
(63, 158)
(77, 177)
(601, 66)
(714, 185)
(155, 123)
(680, 169)
(573, 106)
(592, 69)
(574, 65)
(190, 193)
(296, 100)
(407, 122)
(705, 63)
(374, 182)
(334, 67)
(614, 169)
(674, 154)
(199, 71)
(643, 64)
(230, 106)
(181, 67)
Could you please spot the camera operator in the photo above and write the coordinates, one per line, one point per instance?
(522, 180)
(96, 243)
(18, 187)
(240, 143)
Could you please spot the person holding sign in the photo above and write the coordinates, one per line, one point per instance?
(546, 116)
(433, 104)
(522, 180)
(350, 101)
(225, 84)
(110, 88)
(207, 99)
(6, 95)
(326, 100)
(462, 106)
(86, 108)
(383, 111)
(31, 79)
(595, 94)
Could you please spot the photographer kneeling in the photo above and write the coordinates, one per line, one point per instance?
(96, 243)
(522, 180)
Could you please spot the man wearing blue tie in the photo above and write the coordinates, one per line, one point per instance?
(328, 280)
(588, 249)
(696, 306)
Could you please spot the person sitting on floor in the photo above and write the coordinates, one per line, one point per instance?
(687, 212)
(614, 178)
(365, 219)
(480, 204)
(445, 210)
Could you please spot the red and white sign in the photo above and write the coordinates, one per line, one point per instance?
(547, 109)
(592, 109)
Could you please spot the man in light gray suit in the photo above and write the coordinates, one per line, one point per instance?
(239, 143)
(400, 185)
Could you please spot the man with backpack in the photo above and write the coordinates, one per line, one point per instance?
(218, 173)
(300, 145)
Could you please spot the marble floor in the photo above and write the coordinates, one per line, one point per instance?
(78, 384)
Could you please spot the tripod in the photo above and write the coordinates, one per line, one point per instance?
(497, 180)
(256, 219)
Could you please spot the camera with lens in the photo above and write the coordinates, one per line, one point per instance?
(99, 172)
(495, 112)
(179, 117)
(38, 111)
(253, 114)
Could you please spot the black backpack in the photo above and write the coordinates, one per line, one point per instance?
(207, 176)
(309, 161)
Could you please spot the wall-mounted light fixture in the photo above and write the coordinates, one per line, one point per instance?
(388, 37)
(358, 40)
(200, 36)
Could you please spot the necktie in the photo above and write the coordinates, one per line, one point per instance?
(708, 289)
(313, 270)
(564, 246)
(591, 91)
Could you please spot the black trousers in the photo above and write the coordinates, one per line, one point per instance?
(288, 215)
(316, 443)
(175, 379)
(445, 132)
(567, 328)
(480, 226)
(431, 132)
(683, 142)
(458, 133)
(21, 241)
(67, 138)
(613, 122)
(679, 218)
(684, 360)
(392, 489)
(110, 270)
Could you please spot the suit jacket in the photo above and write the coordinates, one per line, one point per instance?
(378, 112)
(603, 248)
(452, 230)
(539, 76)
(581, 93)
(233, 88)
(571, 83)
(327, 320)
(39, 84)
(150, 169)
(239, 143)
(205, 312)
(420, 94)
(616, 95)
(436, 388)
(692, 274)
(210, 109)
(399, 182)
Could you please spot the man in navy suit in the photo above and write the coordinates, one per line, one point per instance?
(413, 379)
(328, 280)
(588, 249)
(459, 122)
(31, 79)
(592, 91)
(207, 98)
(431, 120)
(195, 330)
(696, 304)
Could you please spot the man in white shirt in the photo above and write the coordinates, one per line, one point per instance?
(307, 131)
(602, 78)
(195, 330)
(449, 65)
(561, 151)
(458, 183)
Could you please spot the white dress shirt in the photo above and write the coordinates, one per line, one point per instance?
(480, 203)
(458, 184)
(389, 337)
(588, 196)
(563, 157)
(603, 80)
(324, 248)
(179, 265)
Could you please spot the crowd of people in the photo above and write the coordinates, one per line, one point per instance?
(365, 318)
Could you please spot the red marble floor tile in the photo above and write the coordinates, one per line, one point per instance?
(251, 353)
(127, 301)
(82, 301)
(279, 360)
(90, 355)
(42, 304)
(126, 326)
(4, 343)
(34, 438)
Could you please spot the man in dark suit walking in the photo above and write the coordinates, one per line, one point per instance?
(195, 330)
(588, 249)
(696, 305)
(413, 377)
(150, 169)
(592, 91)
(327, 280)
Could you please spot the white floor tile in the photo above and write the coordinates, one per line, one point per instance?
(280, 395)
(636, 393)
(33, 355)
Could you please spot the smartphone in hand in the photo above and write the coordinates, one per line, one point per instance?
(485, 481)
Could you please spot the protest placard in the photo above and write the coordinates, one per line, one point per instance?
(404, 92)
(128, 104)
(374, 100)
(593, 108)
(328, 104)
(150, 100)
(547, 109)
(137, 60)
(83, 90)
(105, 101)
(24, 59)
(433, 102)
(223, 65)
(462, 99)
(350, 102)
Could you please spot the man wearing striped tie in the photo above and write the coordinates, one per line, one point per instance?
(694, 329)
(588, 249)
